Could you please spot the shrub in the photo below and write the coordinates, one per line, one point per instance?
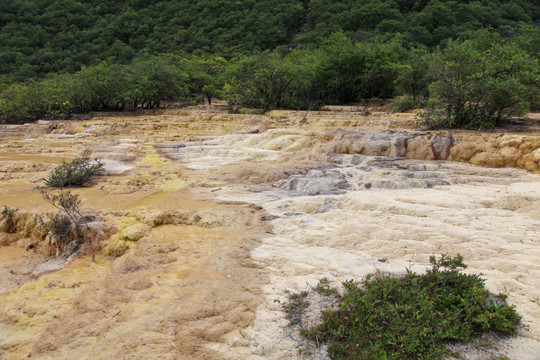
(65, 225)
(295, 306)
(65, 201)
(61, 228)
(413, 316)
(77, 173)
(404, 103)
(324, 288)
(20, 103)
(433, 119)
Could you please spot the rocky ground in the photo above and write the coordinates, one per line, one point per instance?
(205, 219)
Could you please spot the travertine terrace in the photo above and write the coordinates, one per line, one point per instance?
(205, 218)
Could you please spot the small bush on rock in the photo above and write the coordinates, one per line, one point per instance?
(77, 173)
(61, 228)
(64, 226)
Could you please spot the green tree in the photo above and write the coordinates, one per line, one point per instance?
(263, 81)
(352, 71)
(55, 96)
(103, 85)
(308, 91)
(203, 76)
(477, 87)
(414, 76)
(341, 69)
(384, 64)
(156, 79)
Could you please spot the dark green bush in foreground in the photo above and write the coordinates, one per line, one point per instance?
(412, 317)
(77, 173)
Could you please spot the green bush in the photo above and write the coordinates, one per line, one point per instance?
(20, 103)
(61, 228)
(77, 173)
(64, 226)
(404, 103)
(432, 119)
(412, 317)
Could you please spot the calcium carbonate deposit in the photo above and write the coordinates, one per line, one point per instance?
(205, 219)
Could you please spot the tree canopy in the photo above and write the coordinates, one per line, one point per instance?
(43, 36)
(471, 62)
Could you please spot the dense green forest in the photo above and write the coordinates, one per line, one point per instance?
(469, 62)
(42, 36)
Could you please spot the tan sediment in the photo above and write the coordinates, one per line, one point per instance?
(217, 215)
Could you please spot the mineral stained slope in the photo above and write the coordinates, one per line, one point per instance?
(207, 218)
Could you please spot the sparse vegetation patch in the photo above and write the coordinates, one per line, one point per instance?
(7, 224)
(296, 306)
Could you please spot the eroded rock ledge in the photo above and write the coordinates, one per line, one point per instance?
(482, 149)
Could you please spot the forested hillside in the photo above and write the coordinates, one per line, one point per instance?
(65, 56)
(42, 36)
(39, 36)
